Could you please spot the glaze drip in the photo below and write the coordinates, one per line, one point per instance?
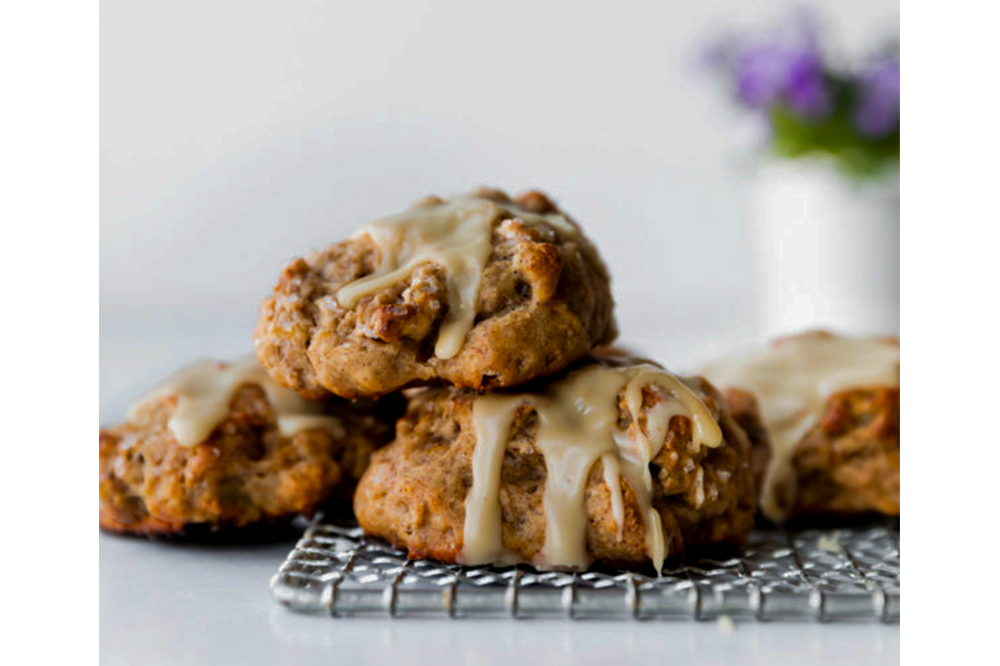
(578, 425)
(455, 234)
(793, 380)
(204, 391)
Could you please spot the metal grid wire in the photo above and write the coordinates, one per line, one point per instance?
(849, 574)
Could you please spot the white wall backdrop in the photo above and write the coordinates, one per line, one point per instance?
(236, 134)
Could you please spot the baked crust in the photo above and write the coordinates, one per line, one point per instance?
(413, 494)
(848, 464)
(544, 301)
(246, 472)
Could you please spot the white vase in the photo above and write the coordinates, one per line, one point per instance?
(825, 249)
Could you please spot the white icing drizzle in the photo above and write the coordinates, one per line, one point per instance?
(793, 380)
(492, 416)
(577, 426)
(204, 391)
(456, 235)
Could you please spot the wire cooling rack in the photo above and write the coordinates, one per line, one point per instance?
(846, 574)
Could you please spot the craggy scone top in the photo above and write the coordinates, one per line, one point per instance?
(479, 291)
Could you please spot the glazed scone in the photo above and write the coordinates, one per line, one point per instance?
(224, 446)
(620, 464)
(481, 291)
(830, 412)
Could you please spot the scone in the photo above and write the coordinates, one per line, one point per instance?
(616, 463)
(480, 291)
(224, 446)
(829, 406)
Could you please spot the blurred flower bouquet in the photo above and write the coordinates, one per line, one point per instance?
(824, 204)
(811, 106)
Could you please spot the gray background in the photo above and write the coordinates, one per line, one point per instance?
(237, 134)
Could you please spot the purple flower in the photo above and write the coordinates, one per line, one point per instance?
(770, 73)
(825, 107)
(877, 111)
(782, 67)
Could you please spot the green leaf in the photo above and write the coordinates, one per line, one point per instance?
(834, 135)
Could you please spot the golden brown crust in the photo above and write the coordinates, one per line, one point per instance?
(246, 472)
(413, 493)
(544, 301)
(849, 463)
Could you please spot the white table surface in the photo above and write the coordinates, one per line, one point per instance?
(167, 603)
